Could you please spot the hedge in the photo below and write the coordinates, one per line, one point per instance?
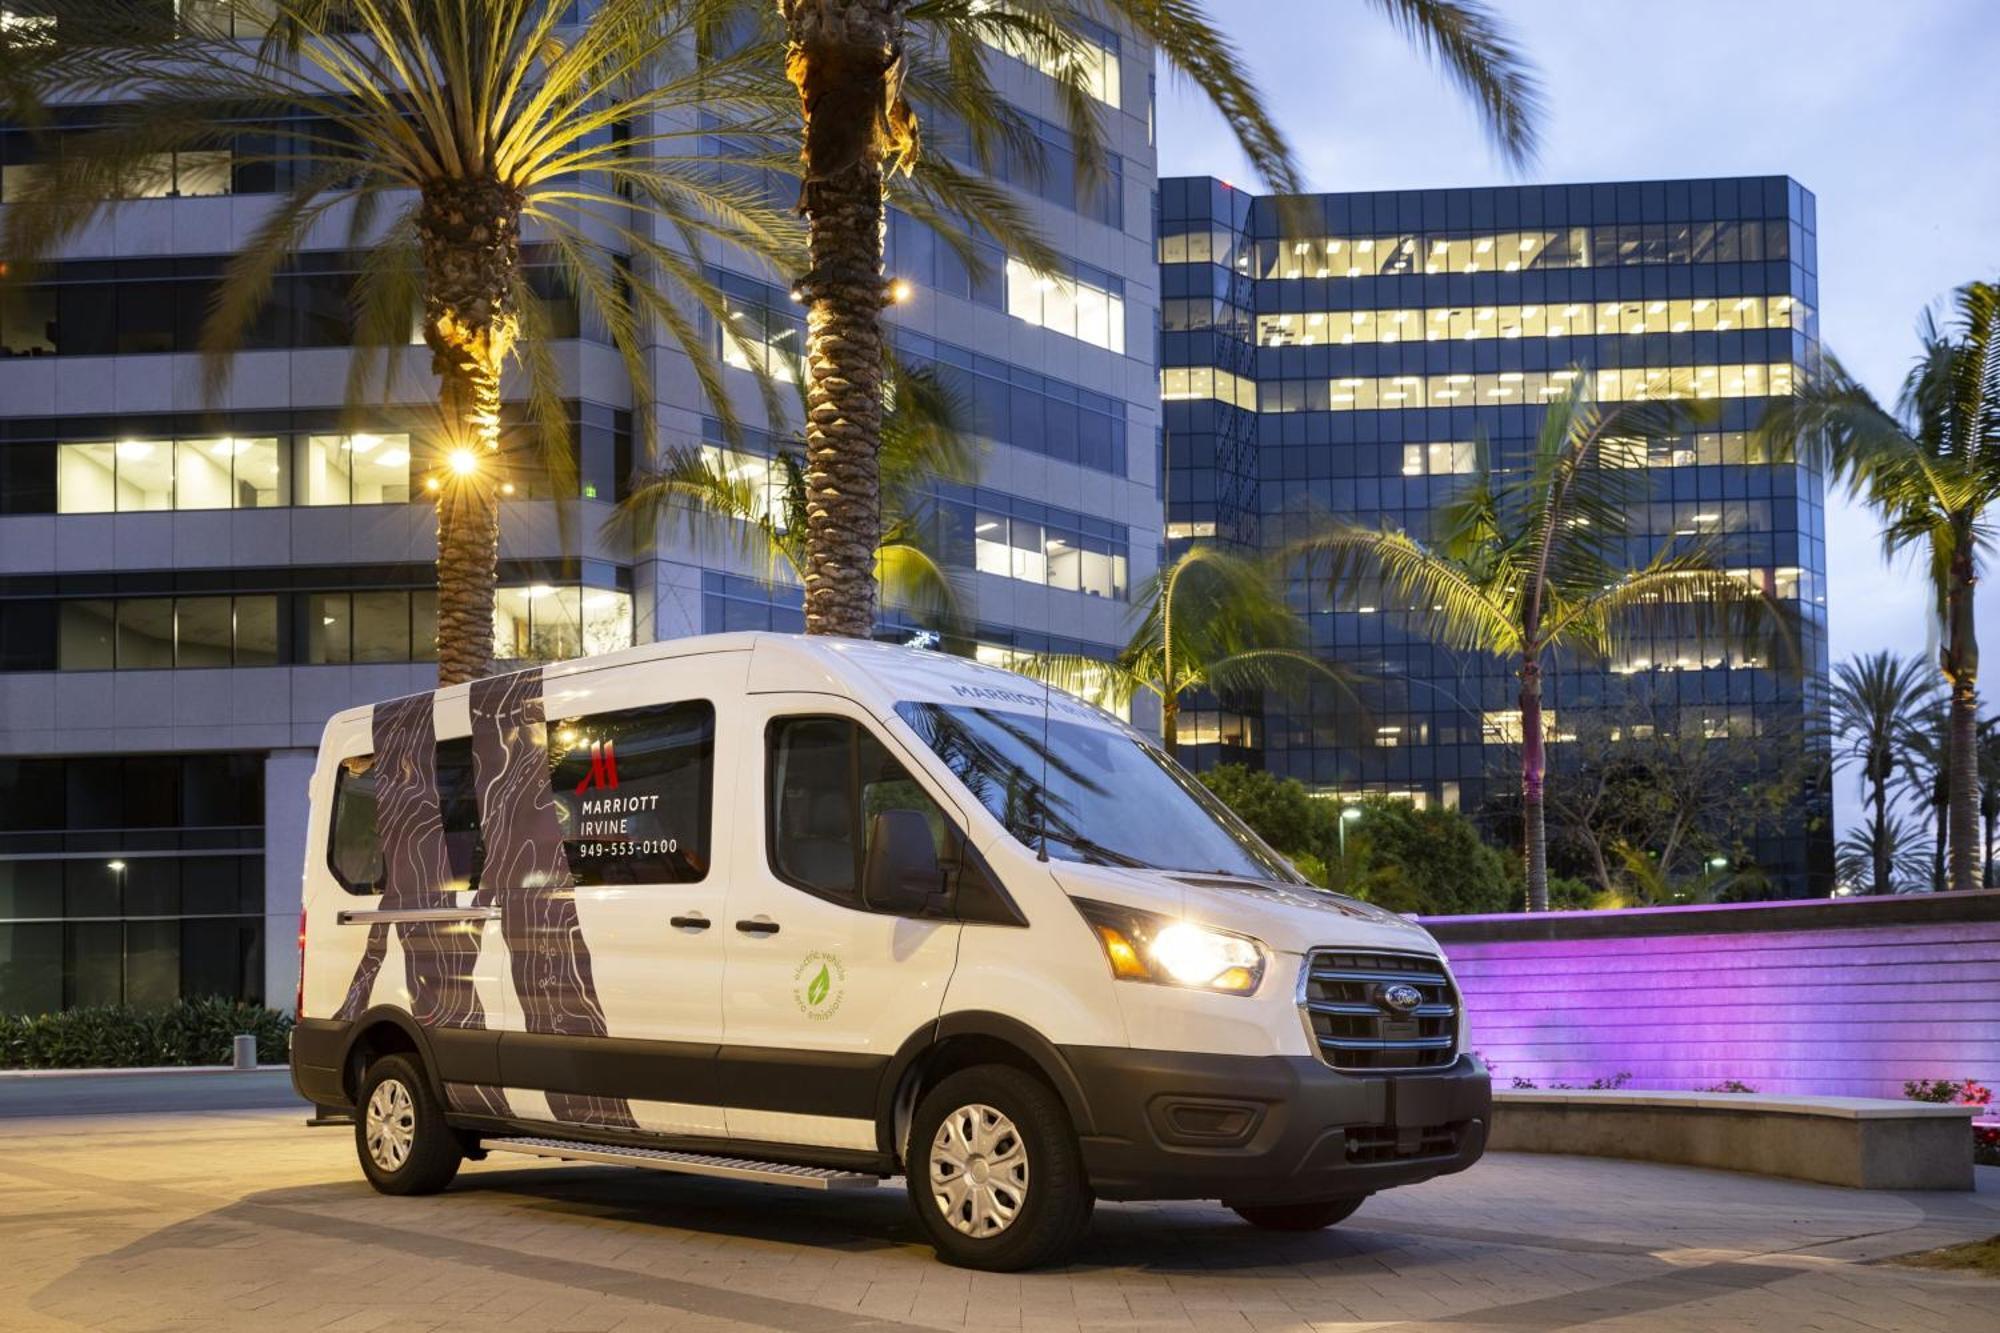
(192, 1032)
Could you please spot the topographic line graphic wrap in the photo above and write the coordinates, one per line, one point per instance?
(439, 959)
(528, 871)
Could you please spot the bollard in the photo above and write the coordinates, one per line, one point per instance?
(246, 1051)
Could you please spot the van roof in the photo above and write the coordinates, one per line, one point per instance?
(877, 674)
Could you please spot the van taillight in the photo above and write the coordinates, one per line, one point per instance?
(299, 1005)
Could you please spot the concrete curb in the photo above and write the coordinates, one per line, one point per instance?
(146, 1070)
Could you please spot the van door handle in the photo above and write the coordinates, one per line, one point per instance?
(758, 925)
(696, 922)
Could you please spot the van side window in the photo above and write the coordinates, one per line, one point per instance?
(634, 793)
(828, 779)
(458, 809)
(355, 849)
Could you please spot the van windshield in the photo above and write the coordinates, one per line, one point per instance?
(1110, 798)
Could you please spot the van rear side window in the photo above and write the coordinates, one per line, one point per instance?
(634, 793)
(356, 851)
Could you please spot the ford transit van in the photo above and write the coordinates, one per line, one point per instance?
(821, 912)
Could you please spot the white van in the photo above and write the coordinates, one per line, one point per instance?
(819, 912)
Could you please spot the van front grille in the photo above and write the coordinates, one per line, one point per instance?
(1348, 1008)
(1386, 1143)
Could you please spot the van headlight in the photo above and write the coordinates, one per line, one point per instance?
(1170, 951)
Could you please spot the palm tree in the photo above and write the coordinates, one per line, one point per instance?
(868, 70)
(1854, 860)
(762, 505)
(1876, 705)
(441, 136)
(1212, 620)
(1538, 565)
(1931, 469)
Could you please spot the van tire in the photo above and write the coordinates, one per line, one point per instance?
(414, 1151)
(1055, 1201)
(1313, 1216)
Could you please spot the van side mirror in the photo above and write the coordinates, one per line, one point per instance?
(902, 871)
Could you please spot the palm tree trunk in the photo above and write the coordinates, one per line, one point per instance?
(1170, 721)
(470, 232)
(845, 58)
(1534, 831)
(1941, 813)
(1992, 818)
(1962, 785)
(1880, 850)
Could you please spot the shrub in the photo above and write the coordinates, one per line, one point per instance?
(191, 1032)
(1948, 1092)
(1728, 1085)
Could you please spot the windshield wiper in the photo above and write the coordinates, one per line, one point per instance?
(1104, 855)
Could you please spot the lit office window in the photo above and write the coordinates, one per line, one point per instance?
(186, 175)
(1066, 305)
(360, 469)
(1093, 63)
(546, 623)
(1455, 459)
(1178, 384)
(1607, 246)
(760, 338)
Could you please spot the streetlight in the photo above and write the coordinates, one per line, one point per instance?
(1347, 813)
(1718, 863)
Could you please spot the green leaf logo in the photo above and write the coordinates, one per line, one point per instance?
(819, 986)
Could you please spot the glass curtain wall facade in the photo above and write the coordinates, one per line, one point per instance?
(1358, 357)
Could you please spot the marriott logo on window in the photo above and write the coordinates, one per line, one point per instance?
(603, 774)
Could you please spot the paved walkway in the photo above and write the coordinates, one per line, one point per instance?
(246, 1219)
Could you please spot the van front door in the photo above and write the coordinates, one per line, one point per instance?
(820, 991)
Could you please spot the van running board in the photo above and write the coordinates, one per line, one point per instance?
(688, 1163)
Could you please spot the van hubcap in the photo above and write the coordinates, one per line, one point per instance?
(391, 1124)
(979, 1171)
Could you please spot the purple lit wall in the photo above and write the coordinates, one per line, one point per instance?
(1849, 997)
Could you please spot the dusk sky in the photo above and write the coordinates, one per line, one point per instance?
(1885, 112)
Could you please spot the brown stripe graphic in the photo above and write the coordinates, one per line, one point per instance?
(528, 872)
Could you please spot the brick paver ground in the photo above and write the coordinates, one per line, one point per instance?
(249, 1220)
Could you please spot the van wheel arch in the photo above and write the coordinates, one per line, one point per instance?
(960, 1041)
(384, 1032)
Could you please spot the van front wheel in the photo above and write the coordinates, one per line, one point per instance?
(994, 1171)
(399, 1130)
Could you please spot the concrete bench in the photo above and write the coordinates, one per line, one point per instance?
(1855, 1141)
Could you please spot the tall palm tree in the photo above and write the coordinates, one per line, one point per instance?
(1212, 620)
(762, 506)
(1876, 705)
(438, 135)
(1931, 468)
(1538, 564)
(868, 71)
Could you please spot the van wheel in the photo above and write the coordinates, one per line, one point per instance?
(1298, 1216)
(994, 1171)
(400, 1133)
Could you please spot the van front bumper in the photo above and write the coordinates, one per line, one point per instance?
(1273, 1128)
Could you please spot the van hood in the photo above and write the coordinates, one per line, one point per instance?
(1287, 918)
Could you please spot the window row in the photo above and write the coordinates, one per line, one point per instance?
(1075, 307)
(1467, 389)
(127, 307)
(46, 966)
(537, 623)
(1516, 251)
(1457, 458)
(1047, 171)
(130, 884)
(1040, 551)
(228, 472)
(167, 791)
(1177, 383)
(1702, 314)
(191, 174)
